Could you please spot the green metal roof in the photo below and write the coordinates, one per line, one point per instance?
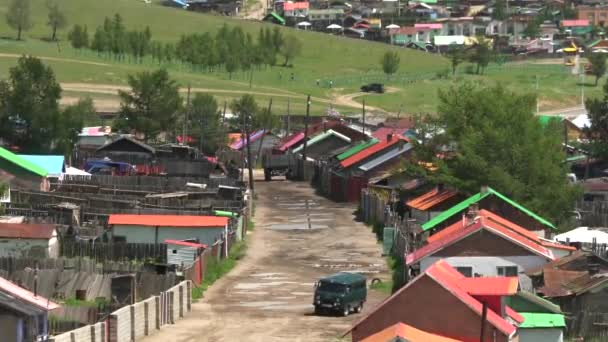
(356, 149)
(542, 320)
(524, 301)
(321, 137)
(546, 119)
(23, 163)
(576, 158)
(476, 198)
(594, 43)
(278, 17)
(225, 213)
(344, 278)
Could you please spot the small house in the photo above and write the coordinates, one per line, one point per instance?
(128, 150)
(543, 320)
(183, 253)
(443, 302)
(401, 332)
(321, 145)
(485, 244)
(28, 240)
(158, 228)
(24, 316)
(20, 173)
(432, 203)
(295, 9)
(53, 164)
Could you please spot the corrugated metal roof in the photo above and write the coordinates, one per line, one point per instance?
(322, 137)
(168, 220)
(476, 198)
(542, 320)
(383, 158)
(185, 243)
(407, 333)
(23, 163)
(54, 165)
(456, 235)
(240, 143)
(292, 141)
(23, 294)
(431, 199)
(450, 279)
(368, 152)
(26, 231)
(356, 149)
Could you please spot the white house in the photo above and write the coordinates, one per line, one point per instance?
(485, 244)
(183, 253)
(28, 240)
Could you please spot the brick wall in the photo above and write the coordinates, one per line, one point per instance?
(137, 320)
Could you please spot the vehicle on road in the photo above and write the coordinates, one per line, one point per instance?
(276, 165)
(373, 88)
(340, 293)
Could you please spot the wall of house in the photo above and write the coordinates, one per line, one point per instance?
(9, 324)
(181, 255)
(486, 265)
(541, 335)
(140, 234)
(444, 314)
(32, 248)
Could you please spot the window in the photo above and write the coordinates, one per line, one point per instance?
(466, 271)
(175, 251)
(507, 271)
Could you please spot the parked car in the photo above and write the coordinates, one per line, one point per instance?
(373, 87)
(341, 293)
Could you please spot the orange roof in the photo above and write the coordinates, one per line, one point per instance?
(490, 216)
(431, 199)
(407, 332)
(490, 286)
(169, 220)
(234, 137)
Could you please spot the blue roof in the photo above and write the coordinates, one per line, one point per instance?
(54, 165)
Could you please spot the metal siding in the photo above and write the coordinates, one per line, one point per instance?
(184, 256)
(486, 266)
(385, 157)
(142, 234)
(541, 335)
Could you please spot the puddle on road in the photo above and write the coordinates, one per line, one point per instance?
(255, 286)
(294, 226)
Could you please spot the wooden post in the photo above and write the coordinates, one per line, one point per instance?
(305, 134)
(264, 134)
(484, 314)
(363, 114)
(251, 187)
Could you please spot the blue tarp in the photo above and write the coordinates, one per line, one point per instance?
(54, 165)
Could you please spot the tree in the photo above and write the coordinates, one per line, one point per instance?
(481, 54)
(70, 123)
(456, 54)
(56, 19)
(246, 110)
(205, 118)
(291, 48)
(29, 104)
(598, 132)
(79, 37)
(499, 143)
(18, 16)
(598, 65)
(532, 30)
(500, 10)
(101, 41)
(151, 104)
(390, 62)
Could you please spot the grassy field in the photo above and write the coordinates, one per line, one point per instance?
(349, 63)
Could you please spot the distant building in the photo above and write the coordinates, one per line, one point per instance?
(20, 173)
(593, 15)
(28, 240)
(23, 314)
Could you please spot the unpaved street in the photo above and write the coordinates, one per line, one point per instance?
(298, 238)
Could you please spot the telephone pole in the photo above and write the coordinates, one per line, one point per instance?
(186, 116)
(363, 114)
(305, 134)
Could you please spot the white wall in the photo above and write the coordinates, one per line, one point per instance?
(541, 335)
(486, 265)
(23, 247)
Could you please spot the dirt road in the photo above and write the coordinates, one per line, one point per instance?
(298, 238)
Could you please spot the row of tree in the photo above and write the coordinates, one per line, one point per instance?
(19, 17)
(30, 116)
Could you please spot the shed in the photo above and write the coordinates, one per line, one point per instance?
(23, 314)
(183, 253)
(322, 144)
(53, 164)
(126, 149)
(28, 240)
(157, 228)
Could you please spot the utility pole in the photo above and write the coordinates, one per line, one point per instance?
(248, 130)
(250, 77)
(484, 314)
(537, 97)
(224, 114)
(243, 115)
(583, 89)
(363, 114)
(186, 116)
(305, 134)
(288, 117)
(266, 129)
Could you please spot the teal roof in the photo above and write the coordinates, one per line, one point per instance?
(54, 165)
(356, 149)
(476, 198)
(534, 320)
(23, 163)
(344, 278)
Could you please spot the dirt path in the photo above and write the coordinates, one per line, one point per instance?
(14, 55)
(268, 296)
(349, 100)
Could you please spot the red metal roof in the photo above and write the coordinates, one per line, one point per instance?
(382, 132)
(490, 216)
(292, 141)
(26, 231)
(431, 199)
(460, 230)
(19, 292)
(452, 280)
(490, 286)
(406, 332)
(368, 152)
(575, 23)
(169, 220)
(290, 6)
(514, 315)
(185, 243)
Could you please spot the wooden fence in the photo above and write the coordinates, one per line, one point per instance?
(101, 252)
(593, 213)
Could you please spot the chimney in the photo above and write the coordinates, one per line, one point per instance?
(484, 189)
(389, 137)
(472, 213)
